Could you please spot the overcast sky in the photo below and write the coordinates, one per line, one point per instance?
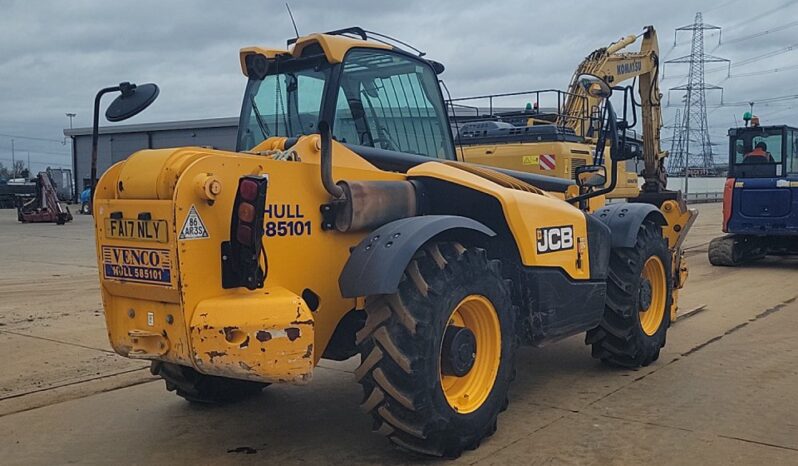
(55, 55)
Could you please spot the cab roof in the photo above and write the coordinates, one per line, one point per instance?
(334, 45)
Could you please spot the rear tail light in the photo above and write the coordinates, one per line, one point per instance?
(246, 212)
(728, 191)
(241, 255)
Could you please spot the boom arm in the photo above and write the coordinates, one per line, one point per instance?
(615, 67)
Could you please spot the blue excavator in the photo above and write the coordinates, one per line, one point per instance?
(760, 196)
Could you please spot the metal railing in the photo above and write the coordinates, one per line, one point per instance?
(704, 198)
(474, 112)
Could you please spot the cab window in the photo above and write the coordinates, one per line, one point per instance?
(792, 152)
(390, 101)
(285, 103)
(759, 147)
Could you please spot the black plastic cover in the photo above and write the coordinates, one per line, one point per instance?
(624, 220)
(376, 265)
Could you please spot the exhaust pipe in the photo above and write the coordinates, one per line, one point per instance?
(364, 205)
(326, 161)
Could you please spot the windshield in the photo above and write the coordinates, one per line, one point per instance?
(286, 103)
(758, 146)
(384, 100)
(757, 152)
(389, 101)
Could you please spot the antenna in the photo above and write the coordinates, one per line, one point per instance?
(292, 19)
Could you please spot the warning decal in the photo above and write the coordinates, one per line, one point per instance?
(193, 228)
(529, 160)
(547, 162)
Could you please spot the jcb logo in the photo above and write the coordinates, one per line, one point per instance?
(553, 239)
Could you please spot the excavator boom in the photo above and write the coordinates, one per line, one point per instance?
(615, 66)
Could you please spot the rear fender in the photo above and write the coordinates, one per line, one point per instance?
(625, 219)
(376, 265)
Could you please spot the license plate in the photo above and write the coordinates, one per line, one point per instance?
(142, 265)
(136, 230)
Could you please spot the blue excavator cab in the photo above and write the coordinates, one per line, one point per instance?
(760, 198)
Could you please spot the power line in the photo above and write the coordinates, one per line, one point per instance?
(744, 62)
(767, 102)
(35, 151)
(758, 73)
(751, 19)
(720, 5)
(761, 33)
(30, 138)
(34, 162)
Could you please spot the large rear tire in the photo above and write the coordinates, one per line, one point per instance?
(437, 356)
(205, 389)
(637, 310)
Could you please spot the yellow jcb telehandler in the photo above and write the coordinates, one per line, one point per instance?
(344, 225)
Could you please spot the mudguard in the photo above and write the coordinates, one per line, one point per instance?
(624, 220)
(375, 266)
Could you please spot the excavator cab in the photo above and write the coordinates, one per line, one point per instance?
(760, 212)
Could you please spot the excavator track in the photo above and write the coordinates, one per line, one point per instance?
(734, 250)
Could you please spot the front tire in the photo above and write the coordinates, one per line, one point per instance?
(637, 310)
(437, 356)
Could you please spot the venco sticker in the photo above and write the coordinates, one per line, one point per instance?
(142, 265)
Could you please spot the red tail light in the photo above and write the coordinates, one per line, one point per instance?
(728, 191)
(246, 212)
(241, 255)
(248, 189)
(245, 235)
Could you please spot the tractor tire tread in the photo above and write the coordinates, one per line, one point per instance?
(189, 384)
(398, 396)
(618, 340)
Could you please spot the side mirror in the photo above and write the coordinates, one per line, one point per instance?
(594, 86)
(131, 101)
(591, 176)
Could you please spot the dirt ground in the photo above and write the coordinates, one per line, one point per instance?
(723, 391)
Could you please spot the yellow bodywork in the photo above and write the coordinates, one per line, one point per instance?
(568, 156)
(268, 334)
(334, 47)
(162, 215)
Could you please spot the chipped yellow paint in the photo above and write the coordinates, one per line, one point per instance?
(232, 336)
(165, 181)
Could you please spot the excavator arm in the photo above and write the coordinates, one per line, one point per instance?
(615, 66)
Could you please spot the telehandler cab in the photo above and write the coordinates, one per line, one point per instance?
(345, 225)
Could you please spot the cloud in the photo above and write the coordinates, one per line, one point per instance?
(56, 55)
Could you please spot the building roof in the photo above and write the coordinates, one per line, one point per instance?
(160, 126)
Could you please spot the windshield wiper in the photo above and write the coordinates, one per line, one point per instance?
(264, 128)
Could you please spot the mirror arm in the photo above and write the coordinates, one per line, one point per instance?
(613, 130)
(95, 136)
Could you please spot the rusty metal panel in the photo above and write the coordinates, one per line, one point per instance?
(266, 336)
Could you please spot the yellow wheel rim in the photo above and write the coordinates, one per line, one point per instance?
(651, 316)
(467, 393)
